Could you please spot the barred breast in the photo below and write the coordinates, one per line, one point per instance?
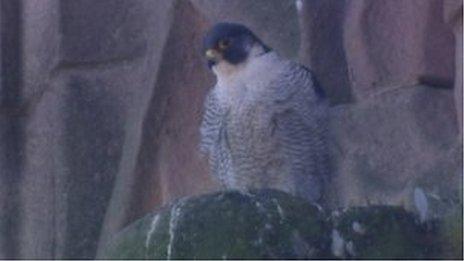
(273, 136)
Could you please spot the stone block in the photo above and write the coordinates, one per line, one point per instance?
(392, 43)
(40, 41)
(169, 154)
(105, 31)
(322, 50)
(453, 16)
(82, 128)
(385, 146)
(161, 161)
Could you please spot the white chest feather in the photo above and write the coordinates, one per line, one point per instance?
(246, 83)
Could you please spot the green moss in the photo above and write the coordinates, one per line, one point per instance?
(451, 234)
(266, 224)
(260, 224)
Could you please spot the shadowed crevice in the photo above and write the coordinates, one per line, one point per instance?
(11, 126)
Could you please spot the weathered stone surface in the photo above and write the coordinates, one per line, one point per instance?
(453, 17)
(385, 146)
(165, 163)
(260, 224)
(38, 191)
(73, 131)
(359, 48)
(82, 129)
(322, 50)
(41, 43)
(177, 101)
(391, 43)
(458, 97)
(117, 34)
(10, 53)
(10, 159)
(274, 21)
(382, 232)
(100, 103)
(11, 121)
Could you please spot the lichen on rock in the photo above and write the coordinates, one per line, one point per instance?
(385, 232)
(257, 224)
(270, 224)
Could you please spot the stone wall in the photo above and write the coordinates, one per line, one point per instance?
(390, 68)
(100, 103)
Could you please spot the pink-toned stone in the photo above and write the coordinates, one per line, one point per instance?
(167, 164)
(101, 102)
(385, 146)
(40, 217)
(453, 16)
(392, 43)
(452, 12)
(322, 50)
(79, 137)
(172, 121)
(458, 76)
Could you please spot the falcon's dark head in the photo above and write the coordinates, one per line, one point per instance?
(231, 43)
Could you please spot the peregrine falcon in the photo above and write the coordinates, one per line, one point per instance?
(265, 121)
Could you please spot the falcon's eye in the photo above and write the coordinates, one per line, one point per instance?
(223, 44)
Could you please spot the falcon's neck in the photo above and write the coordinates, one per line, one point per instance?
(248, 80)
(224, 70)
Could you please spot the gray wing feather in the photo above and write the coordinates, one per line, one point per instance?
(210, 124)
(301, 123)
(212, 138)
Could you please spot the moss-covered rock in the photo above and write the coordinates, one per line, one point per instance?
(271, 224)
(382, 232)
(451, 234)
(259, 224)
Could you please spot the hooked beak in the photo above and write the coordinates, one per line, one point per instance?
(213, 57)
(211, 54)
